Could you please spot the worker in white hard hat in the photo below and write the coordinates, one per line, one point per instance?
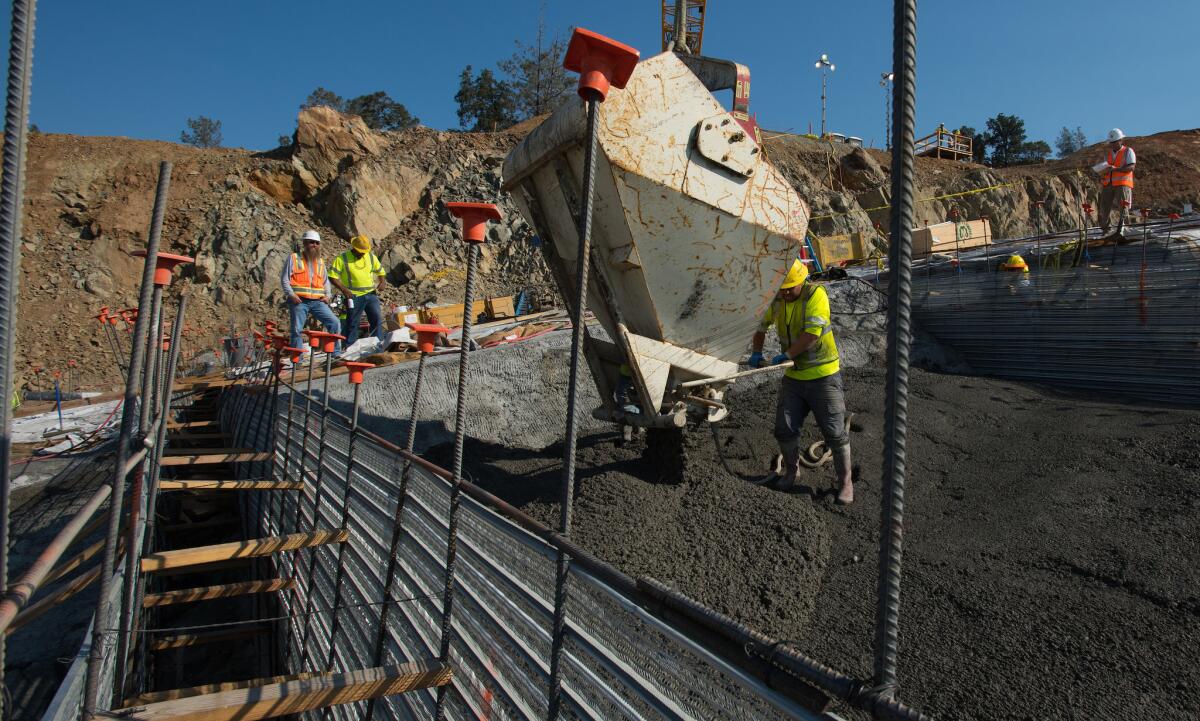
(1116, 180)
(800, 314)
(305, 283)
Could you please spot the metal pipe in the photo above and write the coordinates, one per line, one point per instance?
(28, 584)
(899, 335)
(99, 636)
(456, 481)
(394, 547)
(567, 500)
(12, 196)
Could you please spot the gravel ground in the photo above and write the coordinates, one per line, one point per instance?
(1051, 563)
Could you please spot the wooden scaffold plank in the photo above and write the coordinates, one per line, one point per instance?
(165, 560)
(214, 484)
(199, 639)
(205, 593)
(191, 458)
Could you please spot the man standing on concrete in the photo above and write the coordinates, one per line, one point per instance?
(1116, 180)
(358, 274)
(801, 317)
(305, 284)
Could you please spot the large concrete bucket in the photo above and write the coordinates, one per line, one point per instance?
(692, 233)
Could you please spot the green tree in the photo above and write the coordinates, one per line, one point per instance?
(202, 132)
(536, 77)
(285, 140)
(978, 142)
(323, 96)
(1035, 151)
(484, 103)
(1005, 136)
(379, 111)
(1069, 142)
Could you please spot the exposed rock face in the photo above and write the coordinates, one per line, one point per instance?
(327, 142)
(373, 197)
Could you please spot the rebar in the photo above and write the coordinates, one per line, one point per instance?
(899, 340)
(567, 501)
(12, 195)
(99, 636)
(460, 428)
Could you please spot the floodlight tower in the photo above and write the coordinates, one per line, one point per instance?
(885, 82)
(825, 66)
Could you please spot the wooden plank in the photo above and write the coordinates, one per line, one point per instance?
(183, 557)
(192, 424)
(195, 436)
(204, 451)
(177, 693)
(186, 640)
(228, 590)
(229, 485)
(204, 568)
(293, 697)
(200, 459)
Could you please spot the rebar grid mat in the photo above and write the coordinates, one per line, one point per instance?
(621, 662)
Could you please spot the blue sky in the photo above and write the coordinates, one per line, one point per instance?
(140, 68)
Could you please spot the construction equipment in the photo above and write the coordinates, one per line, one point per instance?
(692, 234)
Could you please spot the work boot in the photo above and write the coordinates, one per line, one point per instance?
(841, 465)
(791, 465)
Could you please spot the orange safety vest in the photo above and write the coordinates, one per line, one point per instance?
(1118, 177)
(305, 284)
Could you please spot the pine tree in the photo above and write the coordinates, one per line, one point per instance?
(202, 132)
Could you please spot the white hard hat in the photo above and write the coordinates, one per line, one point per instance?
(1115, 134)
(312, 235)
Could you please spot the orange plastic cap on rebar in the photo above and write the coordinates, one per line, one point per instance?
(601, 63)
(427, 334)
(295, 353)
(1173, 216)
(164, 263)
(279, 342)
(474, 218)
(329, 340)
(357, 369)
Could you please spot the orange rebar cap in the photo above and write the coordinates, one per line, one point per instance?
(295, 353)
(474, 218)
(427, 334)
(357, 369)
(164, 263)
(327, 341)
(600, 61)
(279, 342)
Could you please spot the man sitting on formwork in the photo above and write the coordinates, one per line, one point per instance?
(800, 314)
(358, 274)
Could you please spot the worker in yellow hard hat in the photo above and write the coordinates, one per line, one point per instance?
(800, 314)
(359, 275)
(1015, 262)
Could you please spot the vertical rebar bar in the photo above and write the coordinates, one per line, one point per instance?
(566, 502)
(397, 520)
(460, 428)
(899, 334)
(12, 194)
(141, 327)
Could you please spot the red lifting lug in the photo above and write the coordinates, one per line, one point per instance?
(163, 265)
(474, 218)
(357, 369)
(601, 62)
(329, 340)
(426, 335)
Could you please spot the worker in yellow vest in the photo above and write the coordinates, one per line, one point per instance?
(801, 317)
(1116, 180)
(358, 274)
(305, 284)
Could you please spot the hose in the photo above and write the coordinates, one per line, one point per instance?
(818, 454)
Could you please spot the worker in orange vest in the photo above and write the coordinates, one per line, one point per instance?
(1116, 180)
(305, 284)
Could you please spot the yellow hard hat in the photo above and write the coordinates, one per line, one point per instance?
(1015, 262)
(361, 243)
(796, 275)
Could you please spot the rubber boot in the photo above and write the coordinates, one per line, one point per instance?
(841, 465)
(791, 465)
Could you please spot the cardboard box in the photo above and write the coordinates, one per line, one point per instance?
(399, 318)
(451, 316)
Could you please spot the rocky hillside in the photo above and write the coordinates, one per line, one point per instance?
(240, 213)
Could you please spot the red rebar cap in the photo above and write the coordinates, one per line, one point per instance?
(1087, 207)
(1145, 212)
(474, 218)
(357, 369)
(1126, 204)
(258, 336)
(427, 334)
(600, 61)
(1173, 216)
(295, 353)
(103, 317)
(279, 342)
(166, 345)
(163, 265)
(71, 362)
(317, 337)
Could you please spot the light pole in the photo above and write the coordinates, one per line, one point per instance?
(825, 66)
(885, 82)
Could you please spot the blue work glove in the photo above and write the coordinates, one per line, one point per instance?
(781, 358)
(756, 359)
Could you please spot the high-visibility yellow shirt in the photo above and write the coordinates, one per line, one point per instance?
(807, 314)
(357, 274)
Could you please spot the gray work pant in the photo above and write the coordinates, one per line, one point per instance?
(824, 397)
(1110, 199)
